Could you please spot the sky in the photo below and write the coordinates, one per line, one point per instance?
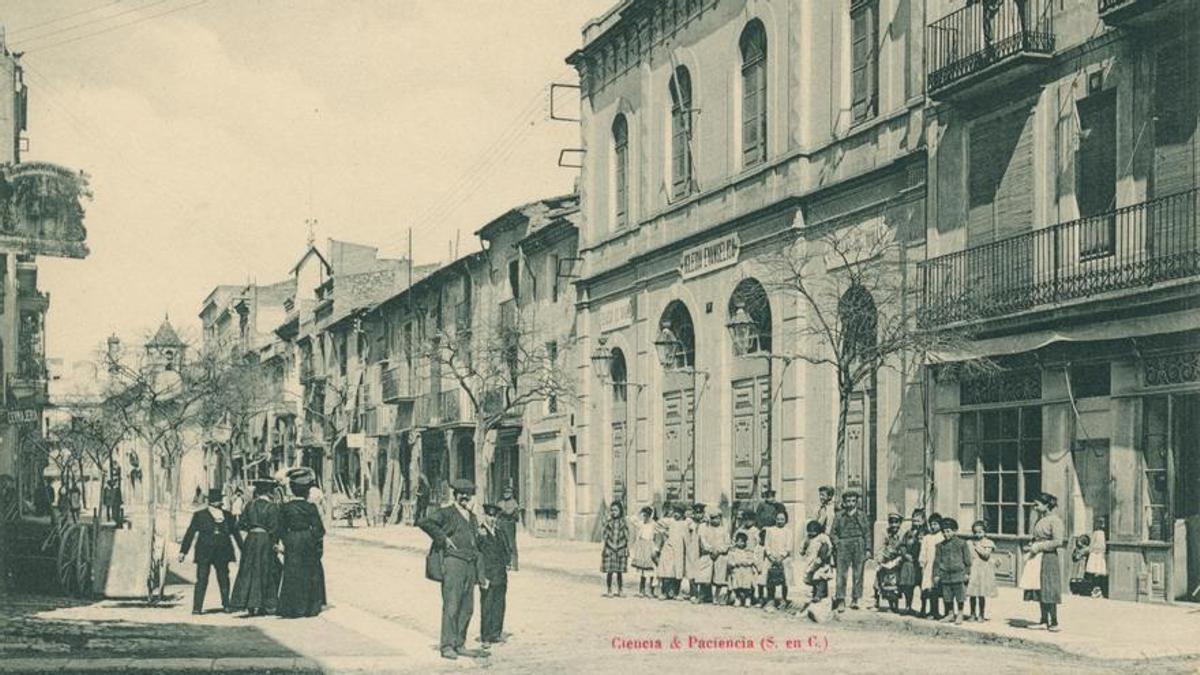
(214, 129)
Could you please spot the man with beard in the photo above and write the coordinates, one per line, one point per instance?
(454, 530)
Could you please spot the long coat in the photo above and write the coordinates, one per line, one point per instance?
(257, 585)
(214, 540)
(671, 563)
(714, 555)
(692, 559)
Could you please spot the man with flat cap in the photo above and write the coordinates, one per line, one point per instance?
(764, 515)
(214, 530)
(454, 530)
(496, 554)
(852, 541)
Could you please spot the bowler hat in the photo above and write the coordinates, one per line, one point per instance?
(462, 486)
(215, 496)
(262, 487)
(895, 517)
(768, 492)
(491, 509)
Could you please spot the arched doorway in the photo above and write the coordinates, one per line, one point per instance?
(619, 377)
(750, 387)
(859, 319)
(679, 403)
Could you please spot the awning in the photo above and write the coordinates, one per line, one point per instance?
(1162, 324)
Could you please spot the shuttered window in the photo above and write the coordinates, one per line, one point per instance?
(681, 132)
(1176, 108)
(1000, 180)
(620, 132)
(1096, 174)
(754, 93)
(864, 75)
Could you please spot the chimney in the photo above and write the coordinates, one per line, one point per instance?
(114, 352)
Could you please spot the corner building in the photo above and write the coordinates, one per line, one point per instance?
(716, 133)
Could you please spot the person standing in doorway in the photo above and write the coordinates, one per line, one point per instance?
(454, 530)
(851, 542)
(214, 532)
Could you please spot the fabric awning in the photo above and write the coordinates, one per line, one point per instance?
(1162, 324)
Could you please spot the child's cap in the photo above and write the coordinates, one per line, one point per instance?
(814, 527)
(741, 536)
(949, 524)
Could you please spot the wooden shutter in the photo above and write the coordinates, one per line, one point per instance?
(672, 442)
(754, 95)
(743, 439)
(1175, 106)
(1000, 178)
(863, 38)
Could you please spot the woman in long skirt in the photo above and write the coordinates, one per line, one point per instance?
(510, 513)
(1049, 535)
(301, 531)
(257, 587)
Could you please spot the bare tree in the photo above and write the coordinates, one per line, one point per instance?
(858, 293)
(504, 361)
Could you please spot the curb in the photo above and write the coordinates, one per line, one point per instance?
(338, 664)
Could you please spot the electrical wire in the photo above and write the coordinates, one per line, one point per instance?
(64, 17)
(89, 22)
(109, 29)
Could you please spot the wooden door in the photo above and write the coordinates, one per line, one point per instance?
(751, 437)
(678, 446)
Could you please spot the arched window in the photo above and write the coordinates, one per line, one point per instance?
(681, 133)
(618, 374)
(620, 133)
(753, 46)
(859, 322)
(750, 297)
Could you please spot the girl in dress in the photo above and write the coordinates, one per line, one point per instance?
(615, 555)
(778, 550)
(749, 527)
(742, 570)
(674, 531)
(713, 564)
(1096, 571)
(644, 553)
(929, 592)
(981, 585)
(696, 571)
(816, 557)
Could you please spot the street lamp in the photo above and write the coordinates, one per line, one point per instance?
(743, 331)
(602, 361)
(668, 347)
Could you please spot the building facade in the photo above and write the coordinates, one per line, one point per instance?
(1062, 233)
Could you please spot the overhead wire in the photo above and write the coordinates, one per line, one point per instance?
(64, 17)
(109, 29)
(89, 22)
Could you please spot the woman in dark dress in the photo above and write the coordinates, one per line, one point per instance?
(1049, 534)
(257, 587)
(301, 531)
(510, 513)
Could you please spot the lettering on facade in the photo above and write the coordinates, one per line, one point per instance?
(28, 416)
(708, 257)
(616, 315)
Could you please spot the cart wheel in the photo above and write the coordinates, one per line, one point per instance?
(85, 552)
(67, 551)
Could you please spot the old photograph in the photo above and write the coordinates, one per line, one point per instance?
(638, 336)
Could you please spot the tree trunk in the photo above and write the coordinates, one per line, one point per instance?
(840, 466)
(482, 464)
(175, 484)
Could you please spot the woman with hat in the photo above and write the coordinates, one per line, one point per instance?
(1049, 535)
(257, 587)
(301, 532)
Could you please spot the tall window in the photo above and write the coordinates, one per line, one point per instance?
(864, 58)
(754, 93)
(681, 133)
(1000, 457)
(620, 132)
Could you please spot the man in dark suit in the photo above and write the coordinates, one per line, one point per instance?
(496, 553)
(214, 530)
(768, 508)
(454, 530)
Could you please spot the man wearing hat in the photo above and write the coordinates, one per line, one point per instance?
(214, 530)
(496, 553)
(851, 539)
(454, 530)
(764, 515)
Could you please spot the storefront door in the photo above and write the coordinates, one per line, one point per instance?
(545, 493)
(751, 437)
(678, 445)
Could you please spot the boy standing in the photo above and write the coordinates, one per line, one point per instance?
(494, 548)
(851, 540)
(951, 566)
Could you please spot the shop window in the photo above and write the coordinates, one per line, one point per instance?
(1156, 517)
(1090, 380)
(1000, 467)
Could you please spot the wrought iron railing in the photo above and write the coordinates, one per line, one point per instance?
(981, 34)
(1134, 246)
(396, 384)
(450, 408)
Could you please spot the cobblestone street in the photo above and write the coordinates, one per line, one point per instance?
(395, 630)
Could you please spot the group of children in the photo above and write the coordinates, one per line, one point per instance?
(746, 566)
(1089, 566)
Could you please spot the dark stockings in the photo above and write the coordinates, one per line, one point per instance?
(979, 611)
(642, 586)
(908, 598)
(1049, 614)
(620, 581)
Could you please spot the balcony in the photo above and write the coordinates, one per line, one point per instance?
(454, 407)
(1130, 248)
(462, 317)
(396, 385)
(974, 52)
(1141, 13)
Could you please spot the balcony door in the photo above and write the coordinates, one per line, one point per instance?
(1096, 174)
(678, 444)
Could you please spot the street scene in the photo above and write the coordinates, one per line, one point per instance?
(639, 335)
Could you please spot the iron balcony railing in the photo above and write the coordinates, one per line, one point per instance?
(396, 384)
(1131, 247)
(981, 34)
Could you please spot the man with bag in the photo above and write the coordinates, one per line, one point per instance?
(454, 560)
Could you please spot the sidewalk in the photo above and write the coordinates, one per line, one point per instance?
(47, 634)
(1096, 628)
